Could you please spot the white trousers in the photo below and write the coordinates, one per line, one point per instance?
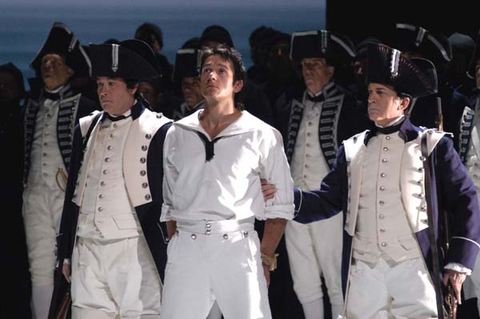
(225, 267)
(42, 212)
(382, 291)
(472, 283)
(315, 249)
(118, 277)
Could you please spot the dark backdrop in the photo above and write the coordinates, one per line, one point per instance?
(360, 18)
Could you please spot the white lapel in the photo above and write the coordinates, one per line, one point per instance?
(354, 154)
(85, 124)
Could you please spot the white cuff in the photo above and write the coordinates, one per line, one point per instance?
(459, 268)
(279, 211)
(166, 213)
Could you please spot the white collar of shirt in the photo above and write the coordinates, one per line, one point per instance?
(245, 123)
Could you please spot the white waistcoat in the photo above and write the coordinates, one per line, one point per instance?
(106, 211)
(308, 166)
(411, 179)
(382, 227)
(133, 159)
(46, 156)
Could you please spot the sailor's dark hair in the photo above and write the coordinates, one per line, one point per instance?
(228, 53)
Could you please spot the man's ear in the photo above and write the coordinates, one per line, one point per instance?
(237, 86)
(70, 72)
(134, 89)
(330, 72)
(405, 102)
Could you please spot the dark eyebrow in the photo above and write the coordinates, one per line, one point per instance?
(223, 65)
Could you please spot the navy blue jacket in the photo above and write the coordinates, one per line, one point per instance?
(148, 214)
(452, 190)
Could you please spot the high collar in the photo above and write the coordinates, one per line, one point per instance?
(136, 110)
(327, 92)
(61, 93)
(408, 132)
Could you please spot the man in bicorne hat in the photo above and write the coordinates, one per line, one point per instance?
(49, 123)
(321, 117)
(112, 246)
(186, 73)
(379, 183)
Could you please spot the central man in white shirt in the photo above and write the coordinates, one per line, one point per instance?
(214, 162)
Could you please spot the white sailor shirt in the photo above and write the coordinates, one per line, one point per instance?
(227, 185)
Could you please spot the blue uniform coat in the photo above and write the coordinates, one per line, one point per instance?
(452, 190)
(148, 212)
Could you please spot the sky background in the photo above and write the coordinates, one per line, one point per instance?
(228, 3)
(24, 24)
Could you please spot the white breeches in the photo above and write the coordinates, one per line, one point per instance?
(382, 291)
(42, 213)
(314, 250)
(472, 283)
(116, 277)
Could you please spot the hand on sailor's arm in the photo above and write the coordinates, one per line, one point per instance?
(268, 190)
(171, 228)
(66, 270)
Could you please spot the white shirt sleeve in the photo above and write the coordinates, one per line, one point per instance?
(276, 170)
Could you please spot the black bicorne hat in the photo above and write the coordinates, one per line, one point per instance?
(130, 59)
(361, 47)
(416, 77)
(320, 44)
(411, 38)
(62, 41)
(475, 57)
(187, 62)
